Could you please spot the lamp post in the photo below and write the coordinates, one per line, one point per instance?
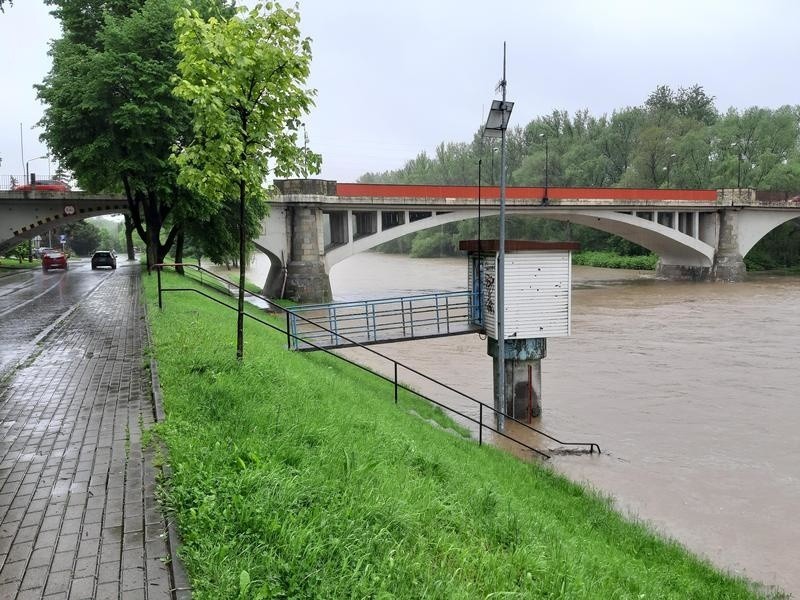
(545, 199)
(27, 170)
(496, 125)
(739, 171)
(669, 166)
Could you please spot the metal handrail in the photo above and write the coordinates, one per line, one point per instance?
(397, 385)
(374, 317)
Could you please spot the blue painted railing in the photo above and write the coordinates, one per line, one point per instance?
(386, 320)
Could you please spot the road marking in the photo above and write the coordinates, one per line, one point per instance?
(58, 281)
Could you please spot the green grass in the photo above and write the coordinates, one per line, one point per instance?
(13, 263)
(296, 476)
(612, 260)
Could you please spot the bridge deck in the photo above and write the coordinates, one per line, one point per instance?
(342, 324)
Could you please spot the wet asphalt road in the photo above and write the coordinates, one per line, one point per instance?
(32, 302)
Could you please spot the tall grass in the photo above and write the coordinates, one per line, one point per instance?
(296, 476)
(612, 260)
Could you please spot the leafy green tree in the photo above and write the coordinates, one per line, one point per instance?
(244, 78)
(83, 237)
(110, 114)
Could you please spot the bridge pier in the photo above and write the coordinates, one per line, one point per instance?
(728, 263)
(728, 260)
(306, 278)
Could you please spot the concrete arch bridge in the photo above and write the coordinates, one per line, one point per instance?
(697, 234)
(314, 224)
(24, 215)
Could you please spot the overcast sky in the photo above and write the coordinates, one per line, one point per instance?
(397, 78)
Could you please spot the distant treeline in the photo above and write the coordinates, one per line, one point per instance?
(676, 139)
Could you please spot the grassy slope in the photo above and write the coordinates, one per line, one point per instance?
(296, 476)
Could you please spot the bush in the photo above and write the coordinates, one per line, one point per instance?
(612, 260)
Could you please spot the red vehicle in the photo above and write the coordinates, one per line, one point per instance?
(54, 259)
(43, 185)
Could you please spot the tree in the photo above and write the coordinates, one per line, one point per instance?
(244, 78)
(84, 237)
(110, 113)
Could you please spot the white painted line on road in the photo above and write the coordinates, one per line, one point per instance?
(18, 306)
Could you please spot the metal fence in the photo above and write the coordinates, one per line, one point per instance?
(7, 182)
(385, 320)
(493, 416)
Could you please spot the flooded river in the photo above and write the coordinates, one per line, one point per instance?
(692, 391)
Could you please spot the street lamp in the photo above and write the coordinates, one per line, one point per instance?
(545, 199)
(27, 170)
(739, 171)
(496, 125)
(494, 151)
(669, 166)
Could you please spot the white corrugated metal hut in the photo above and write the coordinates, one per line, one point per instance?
(538, 283)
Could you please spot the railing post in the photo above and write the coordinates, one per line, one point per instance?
(403, 314)
(158, 275)
(447, 312)
(366, 318)
(288, 332)
(411, 315)
(395, 382)
(480, 424)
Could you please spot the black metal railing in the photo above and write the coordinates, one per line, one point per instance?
(227, 284)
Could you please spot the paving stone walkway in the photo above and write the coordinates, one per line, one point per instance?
(79, 518)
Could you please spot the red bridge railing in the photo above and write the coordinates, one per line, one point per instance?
(489, 192)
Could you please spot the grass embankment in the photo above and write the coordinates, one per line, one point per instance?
(295, 475)
(612, 260)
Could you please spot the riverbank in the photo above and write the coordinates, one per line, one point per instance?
(296, 475)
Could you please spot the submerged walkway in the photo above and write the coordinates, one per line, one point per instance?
(78, 514)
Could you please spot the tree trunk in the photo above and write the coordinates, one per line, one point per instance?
(129, 237)
(240, 316)
(179, 252)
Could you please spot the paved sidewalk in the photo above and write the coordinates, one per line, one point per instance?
(78, 514)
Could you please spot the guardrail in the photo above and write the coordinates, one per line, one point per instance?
(385, 320)
(397, 386)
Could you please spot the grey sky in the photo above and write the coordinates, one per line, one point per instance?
(397, 78)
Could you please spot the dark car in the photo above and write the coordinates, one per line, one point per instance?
(104, 258)
(54, 259)
(43, 185)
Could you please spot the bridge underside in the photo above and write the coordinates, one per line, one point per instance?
(26, 215)
(696, 243)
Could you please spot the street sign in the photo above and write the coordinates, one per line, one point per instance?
(62, 238)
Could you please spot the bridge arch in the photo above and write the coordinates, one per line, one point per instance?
(670, 244)
(754, 226)
(28, 214)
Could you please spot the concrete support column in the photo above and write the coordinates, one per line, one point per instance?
(523, 378)
(728, 261)
(306, 279)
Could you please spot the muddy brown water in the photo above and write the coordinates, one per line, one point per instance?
(691, 389)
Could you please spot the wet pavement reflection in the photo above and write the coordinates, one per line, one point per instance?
(32, 301)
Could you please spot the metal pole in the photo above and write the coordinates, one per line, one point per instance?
(395, 382)
(501, 257)
(480, 424)
(158, 275)
(288, 333)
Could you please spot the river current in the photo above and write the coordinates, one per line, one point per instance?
(691, 389)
